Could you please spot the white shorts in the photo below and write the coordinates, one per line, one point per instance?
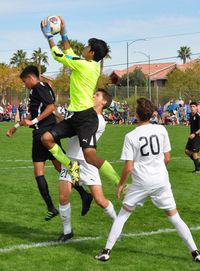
(161, 197)
(89, 174)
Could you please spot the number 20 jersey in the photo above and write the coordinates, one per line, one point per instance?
(145, 146)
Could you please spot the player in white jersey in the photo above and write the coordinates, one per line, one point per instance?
(146, 152)
(89, 174)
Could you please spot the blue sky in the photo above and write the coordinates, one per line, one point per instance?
(115, 21)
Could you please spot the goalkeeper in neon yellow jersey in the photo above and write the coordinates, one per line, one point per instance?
(82, 119)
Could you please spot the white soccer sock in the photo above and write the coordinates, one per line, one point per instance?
(183, 231)
(110, 211)
(65, 215)
(117, 228)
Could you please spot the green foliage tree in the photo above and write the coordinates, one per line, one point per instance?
(184, 83)
(9, 80)
(61, 85)
(184, 52)
(2, 64)
(104, 81)
(136, 78)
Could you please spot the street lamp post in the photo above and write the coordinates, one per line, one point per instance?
(149, 79)
(127, 55)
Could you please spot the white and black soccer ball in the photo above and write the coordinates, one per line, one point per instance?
(55, 24)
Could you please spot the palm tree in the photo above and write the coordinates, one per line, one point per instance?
(39, 58)
(77, 47)
(19, 59)
(184, 52)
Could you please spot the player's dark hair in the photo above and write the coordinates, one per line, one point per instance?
(99, 47)
(106, 96)
(31, 69)
(145, 109)
(193, 103)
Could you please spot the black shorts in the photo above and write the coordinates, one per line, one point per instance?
(193, 144)
(84, 124)
(40, 153)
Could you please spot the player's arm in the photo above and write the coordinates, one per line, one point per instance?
(166, 157)
(64, 36)
(128, 156)
(46, 30)
(13, 129)
(48, 111)
(191, 136)
(197, 133)
(128, 166)
(166, 147)
(68, 58)
(56, 52)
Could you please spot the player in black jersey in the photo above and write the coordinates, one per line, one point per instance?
(193, 144)
(41, 119)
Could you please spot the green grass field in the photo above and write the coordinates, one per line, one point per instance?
(22, 212)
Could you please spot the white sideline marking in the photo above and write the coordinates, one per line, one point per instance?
(20, 167)
(116, 161)
(45, 244)
(25, 167)
(79, 240)
(15, 161)
(156, 232)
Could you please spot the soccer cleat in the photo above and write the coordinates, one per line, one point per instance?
(196, 256)
(51, 214)
(65, 237)
(104, 255)
(74, 171)
(196, 171)
(86, 202)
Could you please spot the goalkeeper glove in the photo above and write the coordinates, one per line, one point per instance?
(46, 29)
(63, 31)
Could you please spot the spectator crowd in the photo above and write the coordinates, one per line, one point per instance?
(173, 112)
(12, 112)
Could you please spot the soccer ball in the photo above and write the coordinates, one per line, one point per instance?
(55, 24)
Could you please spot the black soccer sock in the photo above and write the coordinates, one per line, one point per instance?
(86, 198)
(44, 191)
(196, 163)
(79, 189)
(191, 157)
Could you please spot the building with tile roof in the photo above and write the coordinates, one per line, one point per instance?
(158, 71)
